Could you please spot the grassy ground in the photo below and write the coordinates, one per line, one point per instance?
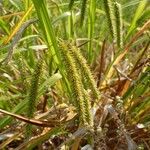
(74, 74)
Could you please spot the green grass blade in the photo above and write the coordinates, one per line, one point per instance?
(91, 25)
(46, 26)
(137, 15)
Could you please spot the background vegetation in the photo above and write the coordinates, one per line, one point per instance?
(74, 74)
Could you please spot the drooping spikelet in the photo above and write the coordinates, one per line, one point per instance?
(87, 104)
(75, 81)
(85, 71)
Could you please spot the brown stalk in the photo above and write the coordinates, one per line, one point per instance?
(12, 14)
(101, 68)
(32, 121)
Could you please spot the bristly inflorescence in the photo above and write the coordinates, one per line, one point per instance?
(75, 81)
(71, 4)
(73, 60)
(119, 25)
(110, 14)
(114, 20)
(34, 88)
(83, 9)
(33, 93)
(85, 72)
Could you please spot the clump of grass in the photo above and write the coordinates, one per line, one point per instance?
(118, 111)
